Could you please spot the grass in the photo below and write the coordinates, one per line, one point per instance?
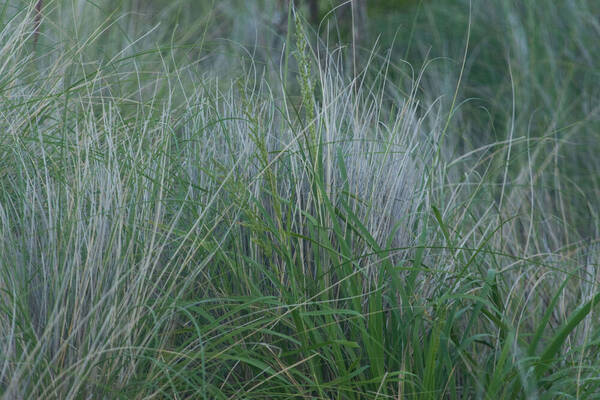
(195, 205)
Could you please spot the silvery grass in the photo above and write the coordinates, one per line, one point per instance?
(165, 233)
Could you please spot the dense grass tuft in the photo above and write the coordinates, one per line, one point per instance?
(197, 203)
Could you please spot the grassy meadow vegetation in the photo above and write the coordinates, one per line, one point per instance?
(222, 200)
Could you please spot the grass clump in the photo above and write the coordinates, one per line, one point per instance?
(188, 217)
